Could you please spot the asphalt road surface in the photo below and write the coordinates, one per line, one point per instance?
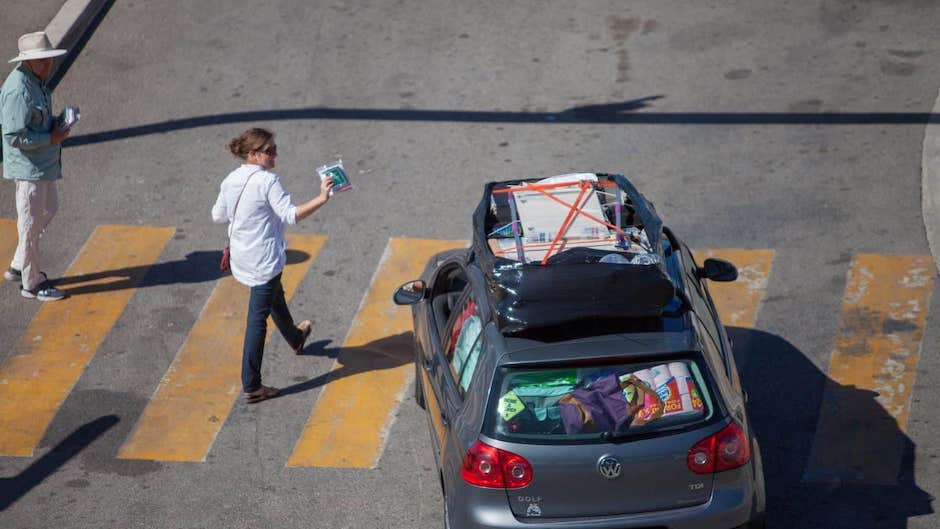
(790, 128)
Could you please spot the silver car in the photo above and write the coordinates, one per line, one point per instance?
(582, 422)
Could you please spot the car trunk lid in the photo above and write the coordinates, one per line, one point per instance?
(609, 479)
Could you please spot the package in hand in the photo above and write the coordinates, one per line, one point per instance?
(71, 116)
(338, 173)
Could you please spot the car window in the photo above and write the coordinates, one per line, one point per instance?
(708, 341)
(465, 343)
(709, 325)
(598, 402)
(713, 320)
(697, 293)
(449, 286)
(690, 268)
(673, 268)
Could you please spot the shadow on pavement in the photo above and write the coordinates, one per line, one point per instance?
(12, 489)
(198, 267)
(386, 353)
(608, 113)
(785, 392)
(319, 348)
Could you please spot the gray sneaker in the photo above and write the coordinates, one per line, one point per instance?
(43, 293)
(12, 274)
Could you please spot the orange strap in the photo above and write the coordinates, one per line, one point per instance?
(568, 220)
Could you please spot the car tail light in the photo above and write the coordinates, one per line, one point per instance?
(486, 466)
(722, 451)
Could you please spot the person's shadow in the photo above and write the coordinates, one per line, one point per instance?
(15, 487)
(385, 353)
(197, 267)
(785, 395)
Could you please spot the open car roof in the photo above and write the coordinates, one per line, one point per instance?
(570, 247)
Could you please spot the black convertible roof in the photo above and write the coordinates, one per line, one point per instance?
(569, 248)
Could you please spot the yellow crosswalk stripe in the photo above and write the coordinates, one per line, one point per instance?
(877, 349)
(349, 423)
(197, 392)
(63, 336)
(738, 301)
(8, 240)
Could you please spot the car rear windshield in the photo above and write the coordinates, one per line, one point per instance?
(601, 402)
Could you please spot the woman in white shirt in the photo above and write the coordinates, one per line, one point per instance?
(257, 207)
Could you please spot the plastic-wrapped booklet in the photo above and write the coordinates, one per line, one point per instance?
(71, 115)
(340, 179)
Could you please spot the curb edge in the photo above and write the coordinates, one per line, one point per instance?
(69, 25)
(930, 184)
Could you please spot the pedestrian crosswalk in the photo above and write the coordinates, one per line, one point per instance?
(198, 390)
(348, 426)
(8, 239)
(877, 347)
(63, 336)
(738, 302)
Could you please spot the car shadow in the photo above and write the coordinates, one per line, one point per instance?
(785, 393)
(385, 353)
(197, 267)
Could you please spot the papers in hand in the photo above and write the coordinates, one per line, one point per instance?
(338, 173)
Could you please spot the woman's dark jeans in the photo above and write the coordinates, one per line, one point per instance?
(266, 299)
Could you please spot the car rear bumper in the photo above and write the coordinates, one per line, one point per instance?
(731, 506)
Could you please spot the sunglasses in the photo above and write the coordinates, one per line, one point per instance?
(270, 150)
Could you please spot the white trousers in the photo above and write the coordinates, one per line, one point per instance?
(36, 203)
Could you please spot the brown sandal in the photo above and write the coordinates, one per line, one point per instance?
(262, 393)
(305, 327)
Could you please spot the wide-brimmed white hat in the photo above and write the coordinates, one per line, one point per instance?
(36, 46)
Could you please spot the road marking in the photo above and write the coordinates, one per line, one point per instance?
(349, 424)
(872, 368)
(8, 239)
(738, 301)
(197, 392)
(63, 336)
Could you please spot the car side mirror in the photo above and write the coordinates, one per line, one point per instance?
(410, 293)
(717, 270)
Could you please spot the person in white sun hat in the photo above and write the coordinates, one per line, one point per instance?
(32, 156)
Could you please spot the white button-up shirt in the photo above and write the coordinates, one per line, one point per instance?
(256, 234)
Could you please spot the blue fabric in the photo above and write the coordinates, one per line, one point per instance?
(26, 121)
(266, 299)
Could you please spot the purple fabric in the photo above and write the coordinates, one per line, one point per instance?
(603, 400)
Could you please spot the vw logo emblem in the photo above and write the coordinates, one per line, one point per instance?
(609, 467)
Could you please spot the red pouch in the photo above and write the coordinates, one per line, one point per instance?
(224, 263)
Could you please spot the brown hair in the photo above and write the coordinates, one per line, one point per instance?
(253, 139)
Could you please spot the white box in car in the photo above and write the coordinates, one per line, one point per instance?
(542, 217)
